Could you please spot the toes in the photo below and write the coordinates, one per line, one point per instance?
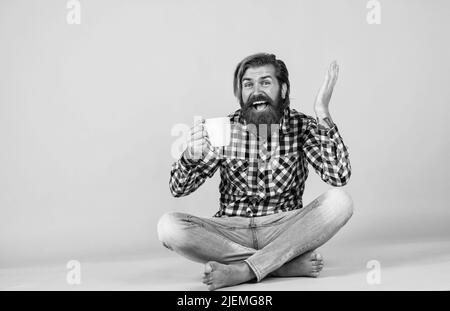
(316, 257)
(211, 266)
(315, 274)
(211, 287)
(312, 256)
(319, 267)
(318, 263)
(207, 280)
(208, 268)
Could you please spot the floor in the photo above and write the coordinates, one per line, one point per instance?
(403, 266)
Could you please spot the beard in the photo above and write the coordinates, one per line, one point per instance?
(269, 116)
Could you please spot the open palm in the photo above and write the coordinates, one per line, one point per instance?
(324, 95)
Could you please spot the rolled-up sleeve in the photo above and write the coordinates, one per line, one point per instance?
(326, 152)
(187, 175)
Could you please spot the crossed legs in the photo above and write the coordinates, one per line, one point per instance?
(229, 256)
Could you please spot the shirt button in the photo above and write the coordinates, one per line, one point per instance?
(261, 188)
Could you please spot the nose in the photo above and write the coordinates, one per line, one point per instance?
(256, 89)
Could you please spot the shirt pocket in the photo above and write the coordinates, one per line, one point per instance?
(284, 172)
(236, 174)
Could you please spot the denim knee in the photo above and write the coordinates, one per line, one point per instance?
(340, 202)
(171, 229)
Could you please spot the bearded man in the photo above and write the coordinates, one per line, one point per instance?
(262, 227)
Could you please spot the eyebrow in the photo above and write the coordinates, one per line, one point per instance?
(262, 78)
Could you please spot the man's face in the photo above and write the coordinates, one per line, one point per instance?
(261, 100)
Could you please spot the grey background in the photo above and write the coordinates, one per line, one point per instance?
(86, 113)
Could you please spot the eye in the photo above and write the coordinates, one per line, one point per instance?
(266, 83)
(248, 84)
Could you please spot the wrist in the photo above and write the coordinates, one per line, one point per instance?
(322, 112)
(326, 122)
(191, 157)
(324, 118)
(187, 155)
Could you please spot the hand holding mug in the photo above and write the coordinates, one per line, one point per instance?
(198, 142)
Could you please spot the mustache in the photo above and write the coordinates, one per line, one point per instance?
(259, 97)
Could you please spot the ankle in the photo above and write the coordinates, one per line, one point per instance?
(245, 270)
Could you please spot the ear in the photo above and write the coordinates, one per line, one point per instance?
(283, 90)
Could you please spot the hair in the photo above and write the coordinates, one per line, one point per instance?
(257, 60)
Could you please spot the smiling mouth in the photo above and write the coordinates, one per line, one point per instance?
(260, 105)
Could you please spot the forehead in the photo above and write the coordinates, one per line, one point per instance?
(255, 73)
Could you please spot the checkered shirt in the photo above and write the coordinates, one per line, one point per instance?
(263, 177)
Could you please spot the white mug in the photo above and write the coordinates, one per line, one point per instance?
(219, 131)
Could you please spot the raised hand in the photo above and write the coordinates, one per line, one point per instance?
(322, 102)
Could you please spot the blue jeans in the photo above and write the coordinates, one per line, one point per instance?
(264, 243)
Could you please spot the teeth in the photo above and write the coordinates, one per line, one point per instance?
(259, 102)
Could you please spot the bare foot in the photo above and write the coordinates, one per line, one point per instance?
(218, 275)
(308, 264)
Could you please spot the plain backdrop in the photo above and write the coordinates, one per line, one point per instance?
(87, 113)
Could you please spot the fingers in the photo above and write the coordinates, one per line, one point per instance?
(198, 128)
(200, 134)
(334, 69)
(331, 75)
(198, 140)
(197, 133)
(199, 121)
(334, 65)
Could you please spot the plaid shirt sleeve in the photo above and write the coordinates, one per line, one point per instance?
(187, 175)
(326, 152)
